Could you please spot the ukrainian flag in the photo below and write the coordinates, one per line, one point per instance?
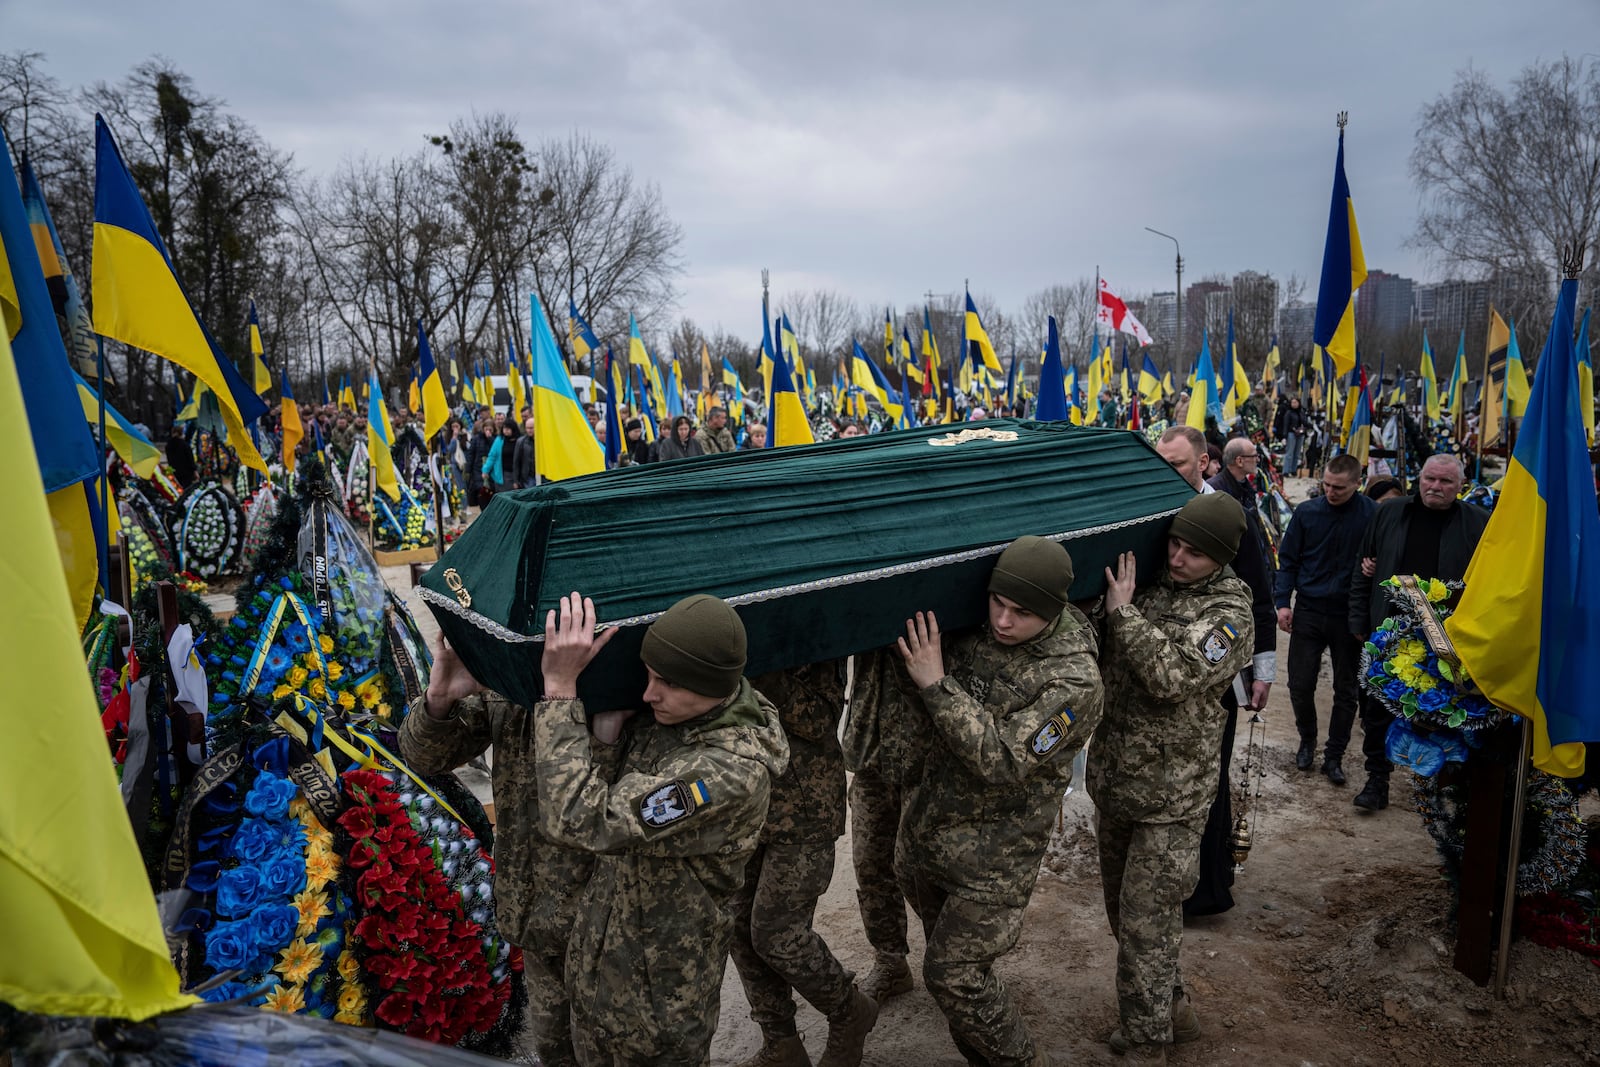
(1204, 398)
(584, 343)
(514, 383)
(82, 933)
(132, 446)
(139, 301)
(564, 444)
(638, 355)
(435, 408)
(930, 352)
(347, 394)
(1586, 379)
(380, 438)
(614, 432)
(866, 376)
(293, 431)
(786, 417)
(1359, 434)
(1344, 268)
(977, 335)
(76, 328)
(1457, 389)
(1430, 381)
(1149, 382)
(263, 377)
(1517, 391)
(66, 454)
(1528, 624)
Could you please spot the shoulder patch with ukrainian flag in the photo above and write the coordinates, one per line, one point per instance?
(675, 800)
(1218, 643)
(1052, 733)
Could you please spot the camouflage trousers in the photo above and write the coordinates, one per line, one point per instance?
(875, 807)
(597, 1050)
(775, 948)
(964, 938)
(1147, 871)
(546, 930)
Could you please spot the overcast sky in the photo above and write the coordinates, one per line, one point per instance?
(881, 149)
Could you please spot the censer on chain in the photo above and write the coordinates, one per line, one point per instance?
(1247, 806)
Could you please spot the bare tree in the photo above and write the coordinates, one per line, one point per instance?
(1073, 306)
(607, 241)
(1507, 178)
(822, 320)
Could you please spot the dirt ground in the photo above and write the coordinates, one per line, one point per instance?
(1336, 952)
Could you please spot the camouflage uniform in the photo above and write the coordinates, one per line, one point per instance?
(343, 442)
(775, 947)
(714, 441)
(1153, 774)
(672, 838)
(537, 881)
(885, 745)
(1008, 720)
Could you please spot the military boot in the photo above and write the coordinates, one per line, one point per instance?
(1185, 1025)
(1333, 768)
(783, 1052)
(1148, 1054)
(848, 1028)
(1374, 796)
(890, 977)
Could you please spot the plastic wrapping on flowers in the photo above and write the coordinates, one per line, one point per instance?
(260, 511)
(1438, 712)
(354, 597)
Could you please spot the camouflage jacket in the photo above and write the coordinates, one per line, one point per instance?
(342, 441)
(672, 836)
(714, 441)
(1168, 657)
(807, 799)
(1007, 721)
(537, 881)
(887, 730)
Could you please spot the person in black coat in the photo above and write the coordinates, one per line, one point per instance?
(524, 471)
(1253, 565)
(180, 457)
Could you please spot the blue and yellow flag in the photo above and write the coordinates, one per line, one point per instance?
(614, 433)
(786, 417)
(564, 444)
(1527, 628)
(293, 430)
(1269, 369)
(865, 375)
(1052, 405)
(730, 377)
(133, 447)
(258, 364)
(584, 343)
(77, 331)
(1344, 268)
(978, 339)
(139, 301)
(1205, 397)
(1430, 382)
(1517, 391)
(68, 460)
(790, 343)
(1456, 391)
(347, 393)
(1150, 391)
(435, 408)
(1586, 379)
(638, 355)
(1359, 435)
(930, 351)
(82, 933)
(514, 383)
(380, 438)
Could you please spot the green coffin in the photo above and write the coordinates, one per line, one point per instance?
(823, 549)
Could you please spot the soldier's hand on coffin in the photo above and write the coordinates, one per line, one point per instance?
(920, 646)
(1119, 586)
(570, 644)
(449, 681)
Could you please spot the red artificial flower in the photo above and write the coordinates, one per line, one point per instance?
(357, 822)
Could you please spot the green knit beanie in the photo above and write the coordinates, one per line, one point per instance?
(1212, 523)
(699, 644)
(1036, 573)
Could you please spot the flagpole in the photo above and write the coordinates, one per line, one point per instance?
(1508, 899)
(105, 481)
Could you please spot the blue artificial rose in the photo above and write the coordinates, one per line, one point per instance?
(231, 991)
(254, 839)
(269, 797)
(1433, 700)
(239, 891)
(230, 946)
(284, 874)
(1394, 689)
(1475, 706)
(273, 927)
(1383, 638)
(1375, 669)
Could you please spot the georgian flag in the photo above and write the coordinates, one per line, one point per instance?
(1114, 313)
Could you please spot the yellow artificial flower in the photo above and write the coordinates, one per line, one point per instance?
(313, 907)
(349, 966)
(349, 1018)
(1413, 648)
(326, 644)
(290, 1000)
(335, 668)
(1424, 682)
(281, 691)
(298, 676)
(300, 959)
(347, 699)
(320, 869)
(369, 697)
(1436, 590)
(299, 808)
(319, 690)
(384, 711)
(351, 999)
(1401, 663)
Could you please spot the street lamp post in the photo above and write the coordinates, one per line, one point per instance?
(1172, 362)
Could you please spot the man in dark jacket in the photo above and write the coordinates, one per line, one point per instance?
(1431, 535)
(1320, 549)
(523, 471)
(1253, 566)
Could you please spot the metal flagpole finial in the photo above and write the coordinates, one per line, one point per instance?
(1572, 258)
(764, 277)
(1343, 120)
